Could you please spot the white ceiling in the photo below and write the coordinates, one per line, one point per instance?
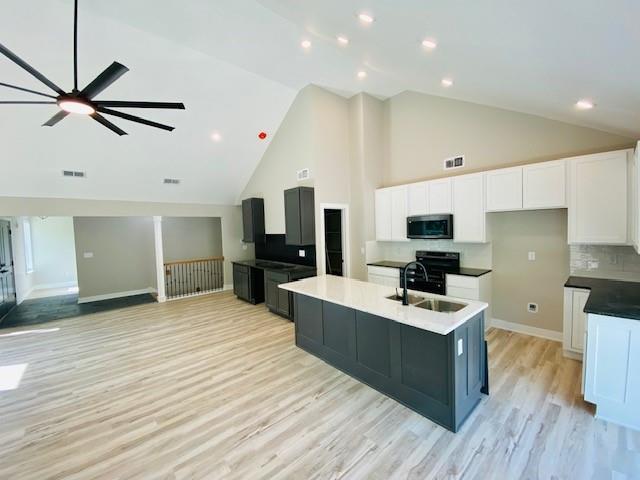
(238, 64)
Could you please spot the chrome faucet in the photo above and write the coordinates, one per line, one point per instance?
(405, 295)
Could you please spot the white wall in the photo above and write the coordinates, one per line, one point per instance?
(122, 255)
(54, 254)
(190, 238)
(231, 217)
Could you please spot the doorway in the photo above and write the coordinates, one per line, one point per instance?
(334, 246)
(333, 258)
(7, 278)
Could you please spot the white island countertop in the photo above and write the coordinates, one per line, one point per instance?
(371, 298)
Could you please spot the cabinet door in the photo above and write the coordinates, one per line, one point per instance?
(417, 199)
(383, 214)
(598, 199)
(504, 189)
(271, 292)
(373, 343)
(241, 281)
(293, 233)
(308, 318)
(439, 196)
(247, 221)
(307, 217)
(544, 185)
(468, 209)
(284, 302)
(399, 213)
(578, 320)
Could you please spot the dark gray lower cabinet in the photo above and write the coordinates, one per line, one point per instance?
(278, 300)
(248, 283)
(420, 369)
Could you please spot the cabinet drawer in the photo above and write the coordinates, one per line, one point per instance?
(463, 281)
(461, 292)
(384, 271)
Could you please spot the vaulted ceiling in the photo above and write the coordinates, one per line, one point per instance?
(237, 65)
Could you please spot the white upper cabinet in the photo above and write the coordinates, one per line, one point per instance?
(598, 199)
(504, 189)
(399, 213)
(635, 199)
(383, 214)
(439, 196)
(417, 197)
(469, 224)
(391, 213)
(544, 185)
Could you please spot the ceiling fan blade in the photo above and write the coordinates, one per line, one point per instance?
(125, 104)
(22, 89)
(55, 119)
(100, 119)
(110, 74)
(20, 102)
(133, 118)
(17, 60)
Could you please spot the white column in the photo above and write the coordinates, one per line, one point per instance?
(157, 231)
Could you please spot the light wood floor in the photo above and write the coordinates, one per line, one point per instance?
(214, 388)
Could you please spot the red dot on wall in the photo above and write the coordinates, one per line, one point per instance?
(262, 135)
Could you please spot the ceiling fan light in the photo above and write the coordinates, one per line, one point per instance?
(75, 106)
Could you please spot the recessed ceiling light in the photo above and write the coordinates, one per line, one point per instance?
(342, 40)
(365, 18)
(306, 44)
(216, 137)
(446, 82)
(430, 44)
(584, 104)
(362, 74)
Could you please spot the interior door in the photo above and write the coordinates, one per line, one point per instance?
(7, 278)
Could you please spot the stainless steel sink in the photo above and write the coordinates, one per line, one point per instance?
(413, 299)
(440, 305)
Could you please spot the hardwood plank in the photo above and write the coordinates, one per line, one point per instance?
(213, 387)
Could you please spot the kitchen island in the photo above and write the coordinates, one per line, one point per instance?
(430, 355)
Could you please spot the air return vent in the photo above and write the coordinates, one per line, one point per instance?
(454, 162)
(171, 181)
(73, 173)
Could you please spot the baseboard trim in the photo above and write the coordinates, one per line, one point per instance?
(573, 355)
(191, 295)
(46, 286)
(109, 296)
(228, 286)
(526, 329)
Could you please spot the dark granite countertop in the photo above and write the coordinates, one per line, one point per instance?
(615, 298)
(467, 272)
(276, 266)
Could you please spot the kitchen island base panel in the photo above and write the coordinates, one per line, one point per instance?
(438, 376)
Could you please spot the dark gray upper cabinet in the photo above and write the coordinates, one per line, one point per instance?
(299, 215)
(253, 220)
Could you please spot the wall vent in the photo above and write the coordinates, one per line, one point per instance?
(454, 162)
(73, 173)
(171, 181)
(304, 174)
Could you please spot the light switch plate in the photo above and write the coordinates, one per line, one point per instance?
(87, 254)
(532, 256)
(460, 347)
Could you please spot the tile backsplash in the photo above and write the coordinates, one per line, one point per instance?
(619, 263)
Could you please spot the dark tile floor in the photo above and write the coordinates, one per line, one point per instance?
(41, 310)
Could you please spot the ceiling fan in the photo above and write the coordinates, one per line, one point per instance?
(83, 101)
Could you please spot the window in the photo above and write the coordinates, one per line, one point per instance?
(28, 249)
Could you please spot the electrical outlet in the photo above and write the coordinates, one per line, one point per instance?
(87, 254)
(532, 256)
(532, 307)
(244, 246)
(302, 253)
(593, 264)
(460, 347)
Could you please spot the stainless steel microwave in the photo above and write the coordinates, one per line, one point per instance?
(430, 226)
